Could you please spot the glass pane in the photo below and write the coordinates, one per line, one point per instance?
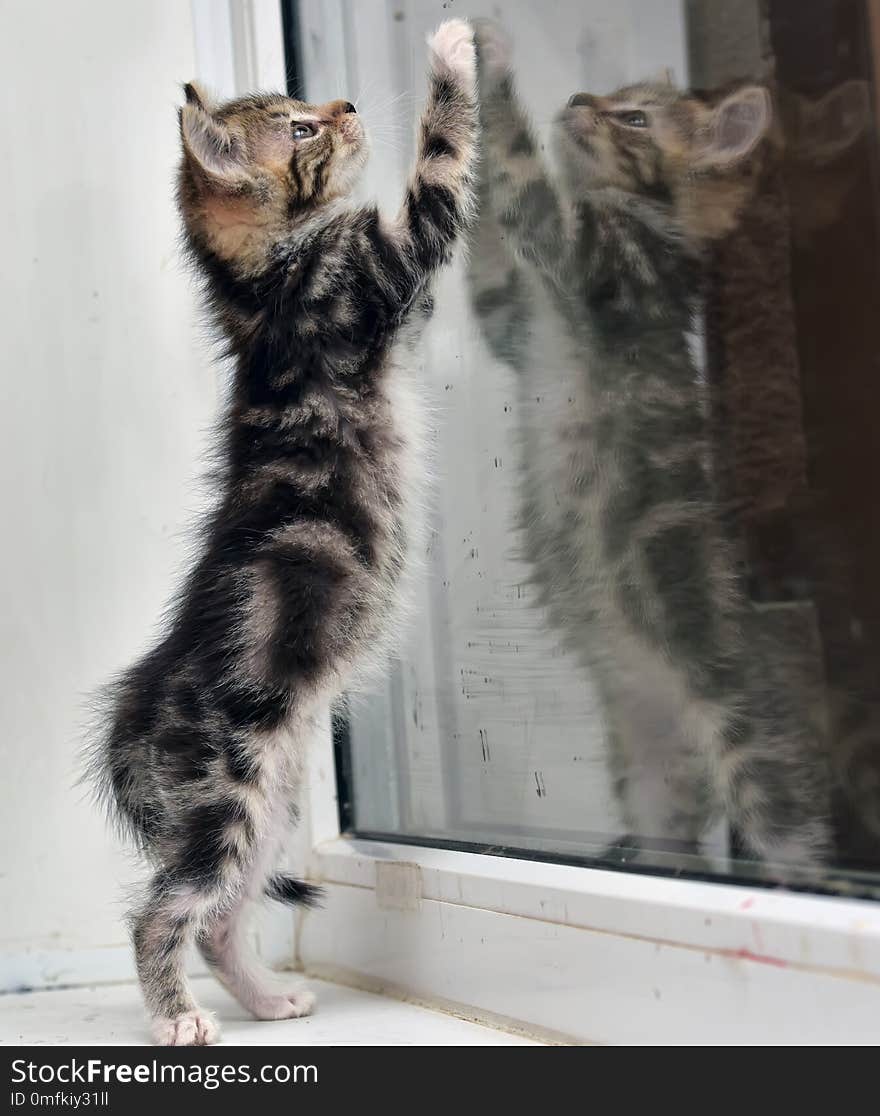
(648, 625)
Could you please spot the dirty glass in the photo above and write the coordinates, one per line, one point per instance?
(647, 628)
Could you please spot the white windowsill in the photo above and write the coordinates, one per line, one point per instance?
(775, 926)
(596, 956)
(112, 1015)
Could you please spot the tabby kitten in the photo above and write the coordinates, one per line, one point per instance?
(589, 294)
(302, 559)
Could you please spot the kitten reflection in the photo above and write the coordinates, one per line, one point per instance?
(818, 136)
(677, 150)
(587, 288)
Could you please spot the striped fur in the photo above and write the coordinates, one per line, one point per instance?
(300, 567)
(588, 293)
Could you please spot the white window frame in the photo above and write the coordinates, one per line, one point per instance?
(575, 954)
(582, 954)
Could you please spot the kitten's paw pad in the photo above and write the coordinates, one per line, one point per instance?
(286, 1005)
(452, 49)
(494, 51)
(192, 1028)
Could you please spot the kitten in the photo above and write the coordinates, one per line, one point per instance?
(301, 562)
(590, 294)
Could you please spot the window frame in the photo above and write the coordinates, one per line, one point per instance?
(574, 954)
(581, 954)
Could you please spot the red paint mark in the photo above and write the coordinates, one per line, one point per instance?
(747, 904)
(758, 958)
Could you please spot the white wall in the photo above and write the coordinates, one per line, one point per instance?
(107, 396)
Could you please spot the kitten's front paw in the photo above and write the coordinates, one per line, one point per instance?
(452, 51)
(192, 1028)
(494, 51)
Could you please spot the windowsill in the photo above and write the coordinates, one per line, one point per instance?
(595, 956)
(729, 918)
(112, 1015)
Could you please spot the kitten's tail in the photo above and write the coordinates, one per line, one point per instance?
(293, 892)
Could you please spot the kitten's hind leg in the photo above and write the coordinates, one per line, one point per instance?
(223, 939)
(773, 777)
(161, 930)
(661, 779)
(218, 856)
(262, 992)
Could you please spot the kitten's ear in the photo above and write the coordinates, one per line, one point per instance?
(196, 94)
(737, 126)
(212, 147)
(664, 76)
(828, 127)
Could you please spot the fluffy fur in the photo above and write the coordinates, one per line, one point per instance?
(588, 292)
(301, 562)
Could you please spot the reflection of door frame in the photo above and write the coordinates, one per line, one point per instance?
(839, 365)
(874, 22)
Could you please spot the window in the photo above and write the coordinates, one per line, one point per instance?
(490, 729)
(501, 729)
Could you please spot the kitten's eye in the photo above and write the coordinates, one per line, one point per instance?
(633, 119)
(302, 131)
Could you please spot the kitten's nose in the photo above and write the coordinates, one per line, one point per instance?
(581, 100)
(348, 107)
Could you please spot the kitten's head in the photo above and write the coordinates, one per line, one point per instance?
(655, 141)
(251, 168)
(820, 137)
